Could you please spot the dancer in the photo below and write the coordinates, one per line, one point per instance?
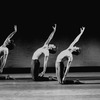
(45, 49)
(67, 54)
(5, 48)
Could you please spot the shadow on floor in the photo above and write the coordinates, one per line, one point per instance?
(69, 80)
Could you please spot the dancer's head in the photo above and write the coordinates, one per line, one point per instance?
(52, 48)
(10, 45)
(76, 50)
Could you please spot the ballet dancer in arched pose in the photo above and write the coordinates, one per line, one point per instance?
(67, 54)
(45, 49)
(5, 48)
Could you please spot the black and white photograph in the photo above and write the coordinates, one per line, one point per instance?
(49, 50)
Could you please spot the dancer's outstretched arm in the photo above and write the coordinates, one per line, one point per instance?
(44, 66)
(10, 36)
(78, 37)
(50, 36)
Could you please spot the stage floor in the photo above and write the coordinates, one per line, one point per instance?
(23, 88)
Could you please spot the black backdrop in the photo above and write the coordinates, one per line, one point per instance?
(35, 21)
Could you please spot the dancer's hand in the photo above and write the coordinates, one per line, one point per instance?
(15, 28)
(63, 79)
(54, 27)
(41, 74)
(82, 29)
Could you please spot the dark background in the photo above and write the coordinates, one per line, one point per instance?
(35, 20)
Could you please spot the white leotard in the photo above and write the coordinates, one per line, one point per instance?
(4, 50)
(3, 57)
(40, 51)
(64, 54)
